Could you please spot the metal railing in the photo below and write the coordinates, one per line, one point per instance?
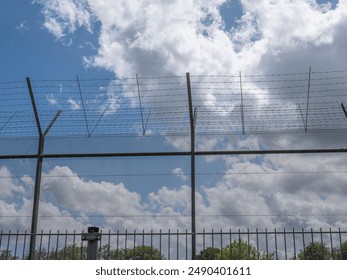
(258, 244)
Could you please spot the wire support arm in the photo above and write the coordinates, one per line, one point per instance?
(344, 109)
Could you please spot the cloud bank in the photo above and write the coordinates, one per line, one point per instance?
(263, 192)
(173, 37)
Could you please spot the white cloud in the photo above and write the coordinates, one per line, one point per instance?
(294, 190)
(180, 143)
(8, 185)
(54, 27)
(23, 26)
(261, 194)
(65, 16)
(52, 100)
(74, 104)
(75, 193)
(138, 37)
(180, 173)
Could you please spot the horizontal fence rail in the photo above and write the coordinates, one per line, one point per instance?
(175, 245)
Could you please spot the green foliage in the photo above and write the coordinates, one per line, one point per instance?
(75, 252)
(340, 253)
(237, 250)
(208, 254)
(136, 253)
(7, 255)
(70, 252)
(343, 251)
(314, 251)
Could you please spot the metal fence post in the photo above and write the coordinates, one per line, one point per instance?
(192, 163)
(92, 237)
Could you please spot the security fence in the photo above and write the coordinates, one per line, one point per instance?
(241, 244)
(43, 120)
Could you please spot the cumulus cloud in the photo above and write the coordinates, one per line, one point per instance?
(259, 194)
(180, 173)
(291, 191)
(8, 185)
(75, 193)
(62, 17)
(139, 37)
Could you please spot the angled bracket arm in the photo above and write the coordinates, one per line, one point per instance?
(33, 104)
(344, 109)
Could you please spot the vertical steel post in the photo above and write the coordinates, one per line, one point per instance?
(192, 165)
(92, 237)
(36, 199)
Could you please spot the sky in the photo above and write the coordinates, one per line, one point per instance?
(100, 47)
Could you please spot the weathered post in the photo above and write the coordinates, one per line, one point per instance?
(92, 237)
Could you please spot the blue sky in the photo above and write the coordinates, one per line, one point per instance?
(53, 41)
(29, 51)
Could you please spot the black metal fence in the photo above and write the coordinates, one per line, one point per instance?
(259, 244)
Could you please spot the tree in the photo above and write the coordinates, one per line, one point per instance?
(70, 252)
(208, 254)
(341, 252)
(315, 251)
(75, 252)
(7, 255)
(237, 250)
(136, 253)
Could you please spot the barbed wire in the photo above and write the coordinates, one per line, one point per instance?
(267, 102)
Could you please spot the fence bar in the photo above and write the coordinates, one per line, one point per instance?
(167, 154)
(177, 247)
(192, 165)
(117, 244)
(24, 244)
(248, 244)
(276, 248)
(257, 234)
(303, 241)
(331, 243)
(186, 244)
